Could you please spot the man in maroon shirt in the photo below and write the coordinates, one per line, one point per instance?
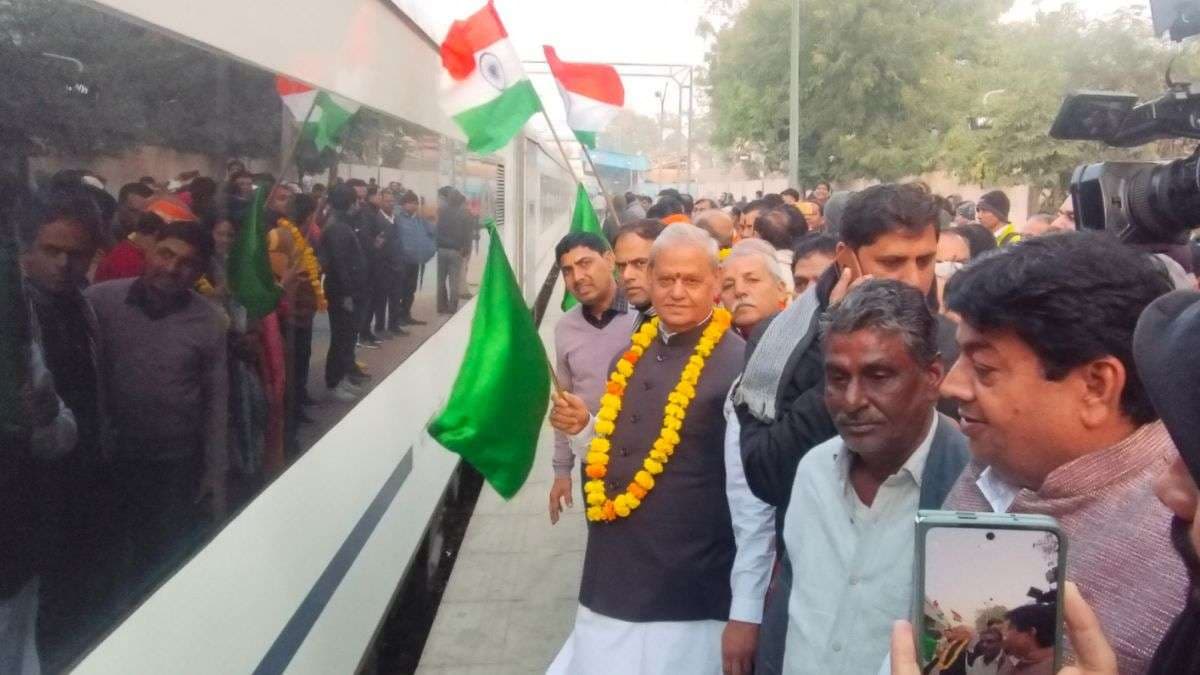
(127, 259)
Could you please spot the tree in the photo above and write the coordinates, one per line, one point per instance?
(875, 77)
(633, 134)
(1028, 67)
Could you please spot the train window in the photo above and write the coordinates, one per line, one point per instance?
(199, 349)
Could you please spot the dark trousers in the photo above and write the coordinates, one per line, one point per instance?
(449, 279)
(303, 361)
(77, 598)
(343, 329)
(386, 303)
(297, 350)
(157, 515)
(407, 289)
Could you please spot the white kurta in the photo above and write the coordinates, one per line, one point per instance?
(600, 645)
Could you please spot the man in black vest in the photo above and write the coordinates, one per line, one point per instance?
(655, 594)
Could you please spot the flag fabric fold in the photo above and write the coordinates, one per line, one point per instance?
(485, 88)
(250, 277)
(592, 94)
(322, 114)
(584, 219)
(500, 396)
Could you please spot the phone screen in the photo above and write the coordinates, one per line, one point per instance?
(991, 599)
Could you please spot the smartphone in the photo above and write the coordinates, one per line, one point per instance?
(988, 590)
(847, 259)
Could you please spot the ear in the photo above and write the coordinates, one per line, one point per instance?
(935, 373)
(1103, 381)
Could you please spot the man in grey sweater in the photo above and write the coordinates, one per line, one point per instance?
(586, 339)
(163, 371)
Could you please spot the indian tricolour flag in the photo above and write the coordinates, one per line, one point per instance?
(592, 93)
(323, 114)
(486, 91)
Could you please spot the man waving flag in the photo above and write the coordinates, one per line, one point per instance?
(486, 91)
(592, 93)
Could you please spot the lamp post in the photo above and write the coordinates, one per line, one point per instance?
(794, 101)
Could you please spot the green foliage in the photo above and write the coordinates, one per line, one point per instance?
(1033, 64)
(873, 75)
(887, 87)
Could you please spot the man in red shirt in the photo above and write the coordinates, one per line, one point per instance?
(128, 258)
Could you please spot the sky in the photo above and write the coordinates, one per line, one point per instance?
(634, 31)
(966, 572)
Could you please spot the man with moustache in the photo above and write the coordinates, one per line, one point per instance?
(890, 232)
(165, 383)
(631, 255)
(586, 339)
(655, 593)
(1060, 423)
(752, 289)
(848, 527)
(752, 285)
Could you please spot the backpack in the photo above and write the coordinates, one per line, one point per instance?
(418, 244)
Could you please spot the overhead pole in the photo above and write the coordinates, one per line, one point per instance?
(794, 101)
(691, 120)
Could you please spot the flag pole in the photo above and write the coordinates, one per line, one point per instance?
(612, 207)
(561, 148)
(607, 198)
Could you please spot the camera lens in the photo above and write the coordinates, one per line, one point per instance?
(991, 536)
(1162, 202)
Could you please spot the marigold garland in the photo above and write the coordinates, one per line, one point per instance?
(308, 261)
(602, 508)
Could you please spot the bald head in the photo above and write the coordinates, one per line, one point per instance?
(718, 224)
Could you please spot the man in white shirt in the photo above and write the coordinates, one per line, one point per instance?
(849, 526)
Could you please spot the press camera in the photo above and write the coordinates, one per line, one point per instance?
(1142, 202)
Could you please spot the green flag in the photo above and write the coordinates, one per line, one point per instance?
(329, 117)
(583, 220)
(502, 391)
(249, 268)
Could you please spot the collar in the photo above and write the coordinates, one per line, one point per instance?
(618, 306)
(666, 335)
(139, 296)
(914, 467)
(1149, 444)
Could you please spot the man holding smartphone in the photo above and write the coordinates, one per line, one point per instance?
(1061, 425)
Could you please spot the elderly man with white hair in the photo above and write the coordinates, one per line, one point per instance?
(655, 595)
(752, 284)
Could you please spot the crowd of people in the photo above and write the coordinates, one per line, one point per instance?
(757, 397)
(159, 394)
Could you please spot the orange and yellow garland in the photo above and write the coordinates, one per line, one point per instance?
(308, 261)
(601, 508)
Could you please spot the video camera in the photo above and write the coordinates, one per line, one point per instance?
(1142, 202)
